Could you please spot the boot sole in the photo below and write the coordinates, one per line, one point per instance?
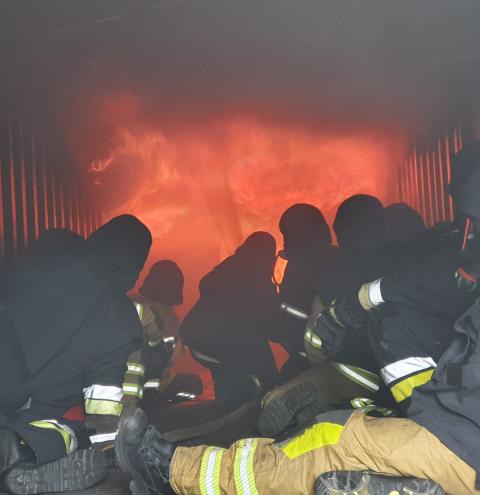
(376, 484)
(77, 471)
(277, 414)
(131, 428)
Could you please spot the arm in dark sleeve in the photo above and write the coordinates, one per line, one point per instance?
(121, 336)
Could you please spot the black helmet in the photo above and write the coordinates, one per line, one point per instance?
(360, 221)
(303, 226)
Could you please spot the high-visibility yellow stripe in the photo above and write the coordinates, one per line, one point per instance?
(312, 339)
(67, 434)
(316, 437)
(135, 369)
(133, 389)
(244, 476)
(406, 367)
(94, 406)
(404, 389)
(210, 471)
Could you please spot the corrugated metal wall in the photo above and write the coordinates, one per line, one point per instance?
(424, 177)
(40, 187)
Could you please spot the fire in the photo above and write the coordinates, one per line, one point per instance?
(203, 190)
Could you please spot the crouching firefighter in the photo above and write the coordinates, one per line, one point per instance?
(151, 367)
(67, 328)
(433, 452)
(424, 301)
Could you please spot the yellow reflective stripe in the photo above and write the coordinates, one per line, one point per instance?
(331, 312)
(243, 467)
(133, 389)
(135, 368)
(404, 389)
(312, 339)
(210, 471)
(67, 434)
(95, 406)
(316, 437)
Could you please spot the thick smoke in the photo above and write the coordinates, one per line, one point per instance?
(332, 65)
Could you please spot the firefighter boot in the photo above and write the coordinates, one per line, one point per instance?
(358, 483)
(144, 454)
(79, 470)
(280, 406)
(12, 452)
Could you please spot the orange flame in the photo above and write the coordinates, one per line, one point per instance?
(202, 191)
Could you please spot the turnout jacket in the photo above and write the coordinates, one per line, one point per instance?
(423, 305)
(449, 405)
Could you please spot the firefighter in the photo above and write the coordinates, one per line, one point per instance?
(229, 328)
(406, 234)
(424, 303)
(360, 227)
(312, 269)
(67, 330)
(149, 368)
(433, 451)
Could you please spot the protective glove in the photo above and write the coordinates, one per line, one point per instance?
(331, 333)
(348, 312)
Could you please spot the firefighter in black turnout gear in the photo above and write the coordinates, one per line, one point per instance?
(424, 302)
(312, 270)
(353, 373)
(229, 328)
(67, 329)
(432, 451)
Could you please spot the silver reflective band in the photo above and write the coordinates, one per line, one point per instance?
(375, 293)
(405, 367)
(168, 339)
(292, 310)
(27, 405)
(211, 472)
(247, 477)
(103, 392)
(186, 395)
(311, 338)
(136, 368)
(357, 377)
(103, 437)
(203, 357)
(152, 384)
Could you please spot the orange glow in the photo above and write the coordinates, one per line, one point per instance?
(279, 270)
(202, 189)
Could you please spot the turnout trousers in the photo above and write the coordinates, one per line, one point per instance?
(339, 441)
(42, 426)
